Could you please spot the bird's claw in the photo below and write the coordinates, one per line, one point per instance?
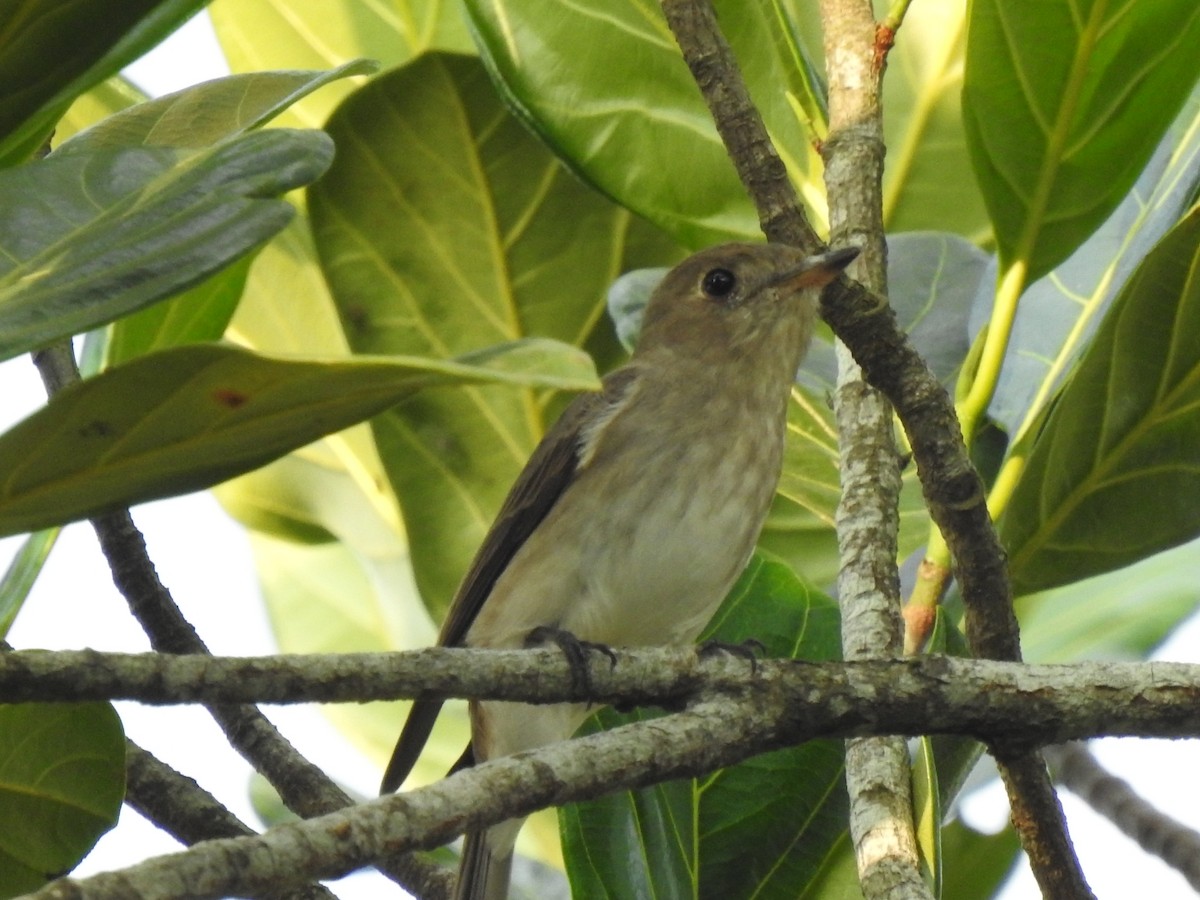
(576, 651)
(749, 649)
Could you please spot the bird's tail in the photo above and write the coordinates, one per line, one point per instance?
(485, 868)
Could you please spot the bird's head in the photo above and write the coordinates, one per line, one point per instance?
(739, 298)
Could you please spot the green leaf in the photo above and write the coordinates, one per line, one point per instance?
(22, 572)
(210, 112)
(286, 309)
(976, 865)
(1122, 615)
(105, 99)
(1112, 476)
(1058, 314)
(327, 34)
(762, 828)
(90, 237)
(187, 418)
(605, 86)
(1058, 138)
(443, 225)
(923, 128)
(198, 314)
(51, 52)
(927, 809)
(62, 779)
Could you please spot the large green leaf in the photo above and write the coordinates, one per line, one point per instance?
(326, 34)
(89, 237)
(1122, 615)
(1058, 138)
(923, 127)
(195, 117)
(102, 101)
(1059, 313)
(759, 829)
(1112, 477)
(604, 84)
(286, 309)
(212, 111)
(62, 779)
(198, 314)
(444, 225)
(187, 418)
(51, 52)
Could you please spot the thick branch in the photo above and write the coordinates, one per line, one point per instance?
(189, 813)
(784, 703)
(1015, 704)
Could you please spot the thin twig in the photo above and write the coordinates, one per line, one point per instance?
(1170, 840)
(189, 813)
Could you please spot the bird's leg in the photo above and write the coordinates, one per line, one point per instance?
(749, 649)
(575, 650)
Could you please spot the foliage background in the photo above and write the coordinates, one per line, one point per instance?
(200, 602)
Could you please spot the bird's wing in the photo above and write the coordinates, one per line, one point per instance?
(539, 486)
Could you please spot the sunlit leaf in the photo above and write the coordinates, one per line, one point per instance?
(1122, 615)
(1059, 313)
(257, 35)
(927, 183)
(604, 84)
(442, 231)
(106, 98)
(21, 574)
(198, 314)
(187, 418)
(212, 111)
(1058, 138)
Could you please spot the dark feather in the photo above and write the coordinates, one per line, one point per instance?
(541, 483)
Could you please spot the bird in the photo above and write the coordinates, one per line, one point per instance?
(641, 505)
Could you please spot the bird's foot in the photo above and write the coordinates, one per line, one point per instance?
(749, 649)
(575, 650)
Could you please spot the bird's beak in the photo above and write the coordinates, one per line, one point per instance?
(817, 270)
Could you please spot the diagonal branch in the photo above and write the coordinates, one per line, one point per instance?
(1114, 798)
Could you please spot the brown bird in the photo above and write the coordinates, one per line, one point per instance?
(641, 506)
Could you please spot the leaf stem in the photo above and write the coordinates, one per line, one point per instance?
(987, 375)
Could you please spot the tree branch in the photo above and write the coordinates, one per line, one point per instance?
(783, 703)
(878, 774)
(1112, 797)
(189, 813)
(1015, 704)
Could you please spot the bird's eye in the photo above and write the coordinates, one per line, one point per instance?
(718, 282)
